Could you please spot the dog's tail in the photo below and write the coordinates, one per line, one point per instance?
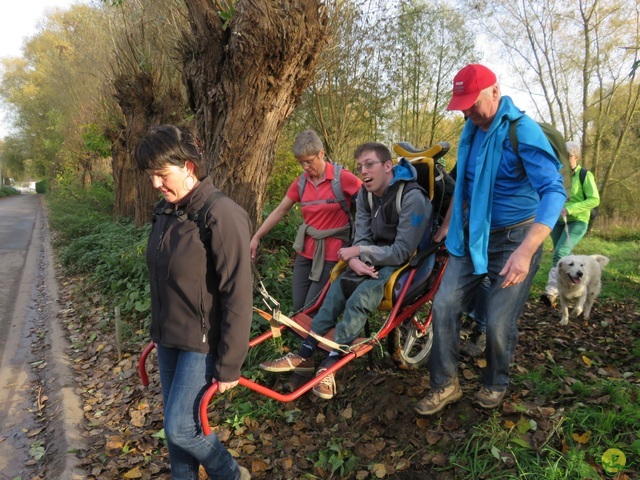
(601, 259)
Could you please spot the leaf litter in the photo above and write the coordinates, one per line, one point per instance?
(371, 417)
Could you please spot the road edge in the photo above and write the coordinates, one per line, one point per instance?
(70, 415)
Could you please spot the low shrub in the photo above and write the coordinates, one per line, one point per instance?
(8, 191)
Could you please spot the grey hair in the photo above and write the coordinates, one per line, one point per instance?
(574, 149)
(488, 92)
(306, 143)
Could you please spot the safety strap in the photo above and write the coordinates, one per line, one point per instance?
(278, 318)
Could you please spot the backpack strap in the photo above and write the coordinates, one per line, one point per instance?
(399, 194)
(302, 183)
(336, 185)
(583, 175)
(163, 208)
(201, 215)
(513, 136)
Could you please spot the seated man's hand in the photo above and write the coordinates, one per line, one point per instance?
(362, 268)
(347, 253)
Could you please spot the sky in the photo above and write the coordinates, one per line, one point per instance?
(17, 21)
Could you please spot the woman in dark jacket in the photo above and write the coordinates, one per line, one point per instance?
(201, 296)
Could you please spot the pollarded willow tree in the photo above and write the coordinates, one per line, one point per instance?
(145, 89)
(245, 66)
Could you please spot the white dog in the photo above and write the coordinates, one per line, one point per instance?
(579, 283)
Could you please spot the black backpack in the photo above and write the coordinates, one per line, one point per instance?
(594, 211)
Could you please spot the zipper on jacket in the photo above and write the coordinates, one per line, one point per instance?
(160, 239)
(159, 243)
(202, 313)
(202, 326)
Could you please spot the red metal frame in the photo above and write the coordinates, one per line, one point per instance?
(399, 314)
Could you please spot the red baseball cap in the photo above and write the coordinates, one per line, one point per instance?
(467, 85)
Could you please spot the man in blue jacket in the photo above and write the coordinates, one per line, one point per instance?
(504, 207)
(385, 238)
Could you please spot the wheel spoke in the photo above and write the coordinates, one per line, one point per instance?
(410, 347)
(409, 342)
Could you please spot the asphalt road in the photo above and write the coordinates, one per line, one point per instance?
(40, 414)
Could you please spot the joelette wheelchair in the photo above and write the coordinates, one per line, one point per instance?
(408, 297)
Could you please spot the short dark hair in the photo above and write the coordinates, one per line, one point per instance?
(381, 151)
(168, 145)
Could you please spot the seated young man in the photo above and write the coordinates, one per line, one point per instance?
(384, 240)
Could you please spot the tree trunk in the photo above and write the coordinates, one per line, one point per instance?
(123, 176)
(142, 107)
(244, 80)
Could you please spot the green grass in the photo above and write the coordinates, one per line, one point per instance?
(578, 438)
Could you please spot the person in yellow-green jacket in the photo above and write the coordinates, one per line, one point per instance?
(576, 214)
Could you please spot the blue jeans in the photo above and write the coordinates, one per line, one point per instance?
(504, 306)
(562, 245)
(305, 291)
(363, 301)
(184, 377)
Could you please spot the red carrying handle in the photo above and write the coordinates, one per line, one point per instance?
(142, 363)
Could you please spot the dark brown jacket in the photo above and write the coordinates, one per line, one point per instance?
(197, 304)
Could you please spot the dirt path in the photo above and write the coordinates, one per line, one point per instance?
(39, 412)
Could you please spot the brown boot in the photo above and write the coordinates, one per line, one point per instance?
(438, 398)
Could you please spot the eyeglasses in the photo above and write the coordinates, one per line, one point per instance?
(368, 165)
(308, 163)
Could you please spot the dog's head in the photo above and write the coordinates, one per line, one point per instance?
(572, 268)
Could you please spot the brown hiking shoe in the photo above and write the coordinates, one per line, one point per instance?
(488, 398)
(291, 362)
(327, 387)
(438, 398)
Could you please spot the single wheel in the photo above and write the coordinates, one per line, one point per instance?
(409, 348)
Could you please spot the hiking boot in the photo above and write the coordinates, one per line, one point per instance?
(438, 398)
(476, 345)
(244, 473)
(291, 362)
(548, 299)
(327, 387)
(488, 398)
